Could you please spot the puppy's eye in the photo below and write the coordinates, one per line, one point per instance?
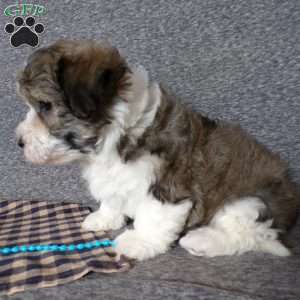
(44, 106)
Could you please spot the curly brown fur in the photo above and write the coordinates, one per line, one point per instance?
(212, 163)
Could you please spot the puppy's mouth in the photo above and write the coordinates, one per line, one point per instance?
(39, 157)
(51, 159)
(39, 152)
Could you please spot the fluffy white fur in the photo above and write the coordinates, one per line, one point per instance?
(234, 230)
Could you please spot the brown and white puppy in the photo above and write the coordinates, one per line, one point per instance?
(178, 174)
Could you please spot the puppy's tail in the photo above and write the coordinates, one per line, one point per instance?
(282, 200)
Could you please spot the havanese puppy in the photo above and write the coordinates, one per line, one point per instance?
(179, 175)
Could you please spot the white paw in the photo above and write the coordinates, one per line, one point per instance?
(130, 244)
(204, 242)
(98, 222)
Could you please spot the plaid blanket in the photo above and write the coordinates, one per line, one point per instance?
(35, 222)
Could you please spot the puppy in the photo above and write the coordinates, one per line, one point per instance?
(179, 175)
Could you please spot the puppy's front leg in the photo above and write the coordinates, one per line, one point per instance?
(156, 226)
(108, 217)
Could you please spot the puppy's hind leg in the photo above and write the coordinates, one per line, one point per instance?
(235, 229)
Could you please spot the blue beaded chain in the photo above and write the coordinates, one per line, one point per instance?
(59, 248)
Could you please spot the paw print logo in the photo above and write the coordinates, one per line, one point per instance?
(24, 32)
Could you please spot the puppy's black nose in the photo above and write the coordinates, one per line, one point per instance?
(21, 143)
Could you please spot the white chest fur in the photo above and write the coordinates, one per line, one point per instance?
(125, 184)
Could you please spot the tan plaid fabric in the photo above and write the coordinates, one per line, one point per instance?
(36, 222)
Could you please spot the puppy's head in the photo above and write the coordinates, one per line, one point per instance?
(71, 89)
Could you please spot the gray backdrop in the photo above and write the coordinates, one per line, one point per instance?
(236, 60)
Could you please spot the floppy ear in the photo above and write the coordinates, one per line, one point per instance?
(89, 89)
